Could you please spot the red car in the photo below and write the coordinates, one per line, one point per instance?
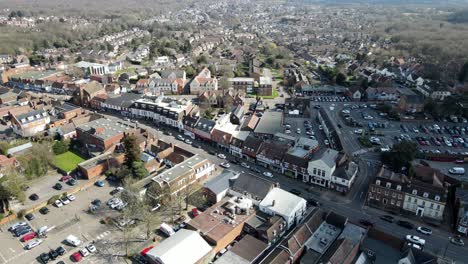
(195, 212)
(28, 236)
(76, 257)
(65, 178)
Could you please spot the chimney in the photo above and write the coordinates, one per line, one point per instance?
(273, 203)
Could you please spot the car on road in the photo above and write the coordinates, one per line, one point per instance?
(415, 240)
(71, 197)
(255, 169)
(196, 145)
(424, 230)
(29, 216)
(313, 202)
(245, 165)
(268, 174)
(221, 156)
(44, 257)
(416, 246)
(188, 141)
(44, 210)
(91, 248)
(99, 183)
(295, 191)
(405, 224)
(321, 127)
(76, 257)
(60, 250)
(58, 186)
(58, 203)
(225, 164)
(33, 244)
(387, 218)
(457, 241)
(34, 197)
(366, 223)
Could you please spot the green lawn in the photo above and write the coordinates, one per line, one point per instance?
(67, 161)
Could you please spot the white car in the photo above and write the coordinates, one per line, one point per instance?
(424, 230)
(415, 240)
(188, 141)
(84, 252)
(416, 246)
(65, 200)
(321, 127)
(268, 174)
(298, 131)
(225, 165)
(58, 203)
(221, 156)
(71, 197)
(91, 248)
(33, 244)
(245, 165)
(287, 131)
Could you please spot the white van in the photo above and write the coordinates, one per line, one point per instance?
(167, 229)
(73, 240)
(457, 170)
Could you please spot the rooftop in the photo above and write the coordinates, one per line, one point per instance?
(34, 75)
(106, 128)
(323, 237)
(180, 169)
(281, 202)
(32, 116)
(221, 182)
(270, 123)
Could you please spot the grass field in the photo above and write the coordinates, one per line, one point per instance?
(67, 161)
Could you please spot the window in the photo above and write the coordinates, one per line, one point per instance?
(386, 193)
(323, 173)
(398, 187)
(392, 202)
(378, 190)
(409, 199)
(425, 195)
(315, 171)
(437, 198)
(394, 195)
(438, 207)
(432, 206)
(423, 203)
(377, 182)
(384, 201)
(398, 203)
(388, 185)
(415, 192)
(400, 196)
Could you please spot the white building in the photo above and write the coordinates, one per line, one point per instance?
(184, 247)
(203, 82)
(321, 168)
(426, 202)
(285, 204)
(440, 95)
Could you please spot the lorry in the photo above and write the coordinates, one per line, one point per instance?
(73, 240)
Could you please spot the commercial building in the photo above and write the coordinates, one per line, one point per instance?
(290, 207)
(31, 123)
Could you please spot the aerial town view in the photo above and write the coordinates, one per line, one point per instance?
(234, 131)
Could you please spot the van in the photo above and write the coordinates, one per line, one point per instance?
(73, 240)
(166, 229)
(457, 170)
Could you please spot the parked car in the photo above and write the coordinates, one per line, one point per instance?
(99, 183)
(71, 197)
(225, 164)
(44, 257)
(405, 224)
(34, 197)
(221, 156)
(91, 248)
(424, 230)
(415, 240)
(313, 202)
(53, 255)
(295, 191)
(387, 218)
(22, 231)
(195, 212)
(72, 182)
(58, 186)
(245, 165)
(58, 203)
(65, 178)
(44, 210)
(29, 216)
(268, 174)
(60, 250)
(76, 257)
(33, 244)
(16, 225)
(64, 200)
(188, 141)
(29, 236)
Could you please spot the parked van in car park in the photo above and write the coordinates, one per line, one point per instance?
(457, 170)
(73, 240)
(167, 229)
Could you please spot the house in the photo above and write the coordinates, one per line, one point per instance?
(265, 86)
(271, 154)
(440, 94)
(8, 97)
(120, 104)
(94, 167)
(251, 147)
(101, 134)
(296, 160)
(203, 128)
(252, 186)
(194, 248)
(31, 123)
(425, 200)
(246, 250)
(244, 84)
(89, 91)
(386, 191)
(344, 177)
(68, 111)
(203, 82)
(355, 93)
(266, 227)
(180, 177)
(236, 115)
(382, 94)
(321, 168)
(285, 204)
(223, 222)
(217, 188)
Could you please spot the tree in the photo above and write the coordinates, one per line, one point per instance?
(190, 71)
(463, 75)
(401, 155)
(138, 169)
(12, 184)
(202, 59)
(340, 79)
(132, 150)
(212, 69)
(60, 147)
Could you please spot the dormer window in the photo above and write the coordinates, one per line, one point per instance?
(437, 198)
(398, 187)
(377, 182)
(425, 195)
(388, 185)
(415, 192)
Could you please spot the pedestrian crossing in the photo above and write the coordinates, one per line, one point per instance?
(103, 235)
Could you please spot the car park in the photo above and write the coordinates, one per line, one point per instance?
(424, 230)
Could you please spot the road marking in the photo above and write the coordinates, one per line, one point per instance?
(3, 257)
(12, 250)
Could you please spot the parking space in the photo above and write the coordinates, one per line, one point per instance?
(305, 127)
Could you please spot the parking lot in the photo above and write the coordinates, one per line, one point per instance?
(72, 218)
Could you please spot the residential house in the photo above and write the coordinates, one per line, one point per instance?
(266, 227)
(120, 104)
(203, 82)
(425, 200)
(89, 91)
(31, 123)
(355, 93)
(244, 84)
(285, 204)
(386, 190)
(246, 250)
(203, 129)
(344, 177)
(440, 94)
(251, 148)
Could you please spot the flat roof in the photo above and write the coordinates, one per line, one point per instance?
(105, 128)
(270, 123)
(323, 237)
(34, 75)
(180, 169)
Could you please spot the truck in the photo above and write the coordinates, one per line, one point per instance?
(457, 170)
(73, 240)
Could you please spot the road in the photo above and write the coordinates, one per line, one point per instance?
(351, 206)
